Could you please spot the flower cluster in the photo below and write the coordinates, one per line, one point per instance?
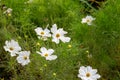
(57, 34)
(23, 56)
(13, 47)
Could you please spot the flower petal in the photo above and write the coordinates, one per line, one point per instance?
(65, 39)
(38, 30)
(83, 20)
(55, 40)
(43, 49)
(50, 51)
(13, 54)
(54, 28)
(52, 57)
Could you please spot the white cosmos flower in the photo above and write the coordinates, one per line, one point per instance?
(43, 34)
(47, 53)
(87, 73)
(88, 20)
(12, 46)
(23, 57)
(58, 34)
(8, 11)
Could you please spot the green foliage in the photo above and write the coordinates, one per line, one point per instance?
(97, 45)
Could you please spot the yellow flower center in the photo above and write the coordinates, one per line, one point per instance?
(45, 54)
(11, 48)
(25, 57)
(54, 74)
(88, 20)
(88, 75)
(69, 46)
(57, 35)
(9, 14)
(42, 33)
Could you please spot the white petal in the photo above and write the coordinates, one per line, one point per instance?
(47, 33)
(12, 54)
(5, 48)
(44, 38)
(94, 71)
(38, 30)
(55, 40)
(20, 59)
(54, 28)
(39, 37)
(47, 30)
(90, 18)
(25, 62)
(38, 52)
(96, 76)
(89, 23)
(42, 54)
(89, 69)
(61, 31)
(83, 20)
(13, 41)
(50, 51)
(43, 49)
(27, 53)
(65, 39)
(52, 57)
(17, 48)
(83, 70)
(6, 42)
(24, 53)
(82, 77)
(79, 75)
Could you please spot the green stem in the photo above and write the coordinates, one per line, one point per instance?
(88, 4)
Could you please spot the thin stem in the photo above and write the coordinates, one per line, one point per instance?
(88, 4)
